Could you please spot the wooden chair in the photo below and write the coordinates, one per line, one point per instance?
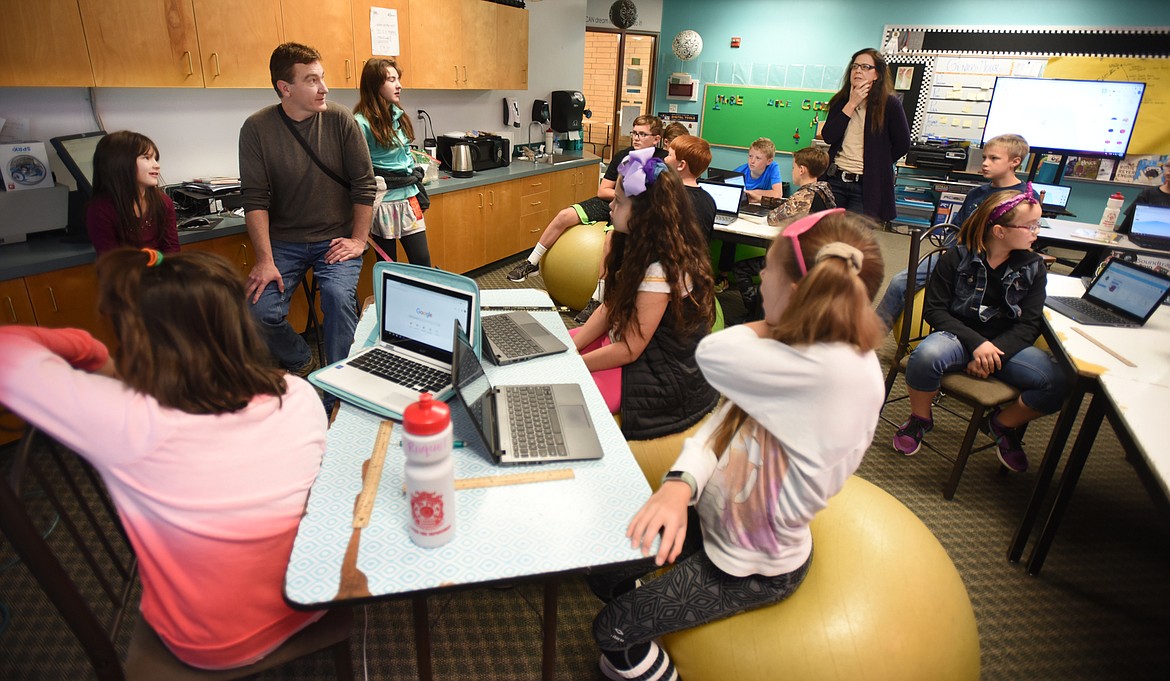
(94, 594)
(977, 395)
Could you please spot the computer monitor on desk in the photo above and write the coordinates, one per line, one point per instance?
(76, 152)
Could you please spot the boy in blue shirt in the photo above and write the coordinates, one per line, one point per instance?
(761, 175)
(1002, 155)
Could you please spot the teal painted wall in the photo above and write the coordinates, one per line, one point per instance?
(827, 32)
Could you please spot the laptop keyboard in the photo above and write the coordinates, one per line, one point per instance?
(533, 423)
(402, 370)
(508, 337)
(725, 219)
(1092, 311)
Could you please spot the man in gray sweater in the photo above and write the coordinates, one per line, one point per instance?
(300, 215)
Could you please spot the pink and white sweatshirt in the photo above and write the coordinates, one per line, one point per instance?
(211, 502)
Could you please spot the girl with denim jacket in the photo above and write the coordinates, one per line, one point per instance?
(985, 302)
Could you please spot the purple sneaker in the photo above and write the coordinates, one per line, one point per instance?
(908, 439)
(1007, 440)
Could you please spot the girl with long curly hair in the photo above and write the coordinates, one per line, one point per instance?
(659, 302)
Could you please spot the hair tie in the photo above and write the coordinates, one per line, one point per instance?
(840, 249)
(639, 169)
(155, 256)
(1004, 207)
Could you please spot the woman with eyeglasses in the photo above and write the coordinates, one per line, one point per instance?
(867, 132)
(985, 302)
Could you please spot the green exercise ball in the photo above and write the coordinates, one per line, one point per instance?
(571, 266)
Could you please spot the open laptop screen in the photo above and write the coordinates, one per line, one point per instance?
(420, 316)
(1054, 194)
(1151, 221)
(1128, 287)
(727, 197)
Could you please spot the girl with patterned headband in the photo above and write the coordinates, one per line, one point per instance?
(803, 389)
(658, 303)
(985, 302)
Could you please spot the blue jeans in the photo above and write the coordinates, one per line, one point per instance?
(338, 284)
(893, 300)
(847, 194)
(1036, 374)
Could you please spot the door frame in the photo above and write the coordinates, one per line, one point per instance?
(615, 126)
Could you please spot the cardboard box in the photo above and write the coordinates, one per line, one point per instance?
(25, 165)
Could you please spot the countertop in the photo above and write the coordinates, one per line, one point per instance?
(48, 251)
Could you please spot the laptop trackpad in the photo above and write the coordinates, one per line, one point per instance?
(573, 416)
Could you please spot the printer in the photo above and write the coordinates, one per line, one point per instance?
(945, 154)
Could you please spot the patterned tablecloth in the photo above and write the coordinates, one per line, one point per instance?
(502, 533)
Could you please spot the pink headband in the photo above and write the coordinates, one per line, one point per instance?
(1004, 207)
(794, 230)
(639, 169)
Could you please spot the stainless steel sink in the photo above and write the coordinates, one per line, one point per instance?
(558, 159)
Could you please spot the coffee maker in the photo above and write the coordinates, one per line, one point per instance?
(568, 108)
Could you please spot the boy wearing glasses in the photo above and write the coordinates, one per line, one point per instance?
(646, 133)
(1002, 155)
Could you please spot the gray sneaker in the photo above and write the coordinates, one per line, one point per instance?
(587, 311)
(520, 272)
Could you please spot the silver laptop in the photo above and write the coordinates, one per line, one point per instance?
(1123, 294)
(1055, 199)
(517, 336)
(1151, 227)
(727, 199)
(524, 423)
(414, 350)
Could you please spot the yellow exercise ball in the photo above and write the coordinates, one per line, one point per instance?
(881, 601)
(571, 266)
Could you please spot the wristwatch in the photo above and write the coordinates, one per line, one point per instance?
(682, 476)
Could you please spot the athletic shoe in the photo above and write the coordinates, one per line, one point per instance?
(590, 307)
(520, 272)
(1007, 440)
(908, 439)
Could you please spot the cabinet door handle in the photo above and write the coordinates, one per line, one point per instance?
(465, 75)
(457, 74)
(243, 254)
(492, 198)
(534, 231)
(11, 309)
(480, 195)
(53, 300)
(347, 69)
(215, 58)
(535, 203)
(190, 64)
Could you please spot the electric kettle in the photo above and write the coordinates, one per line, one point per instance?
(461, 160)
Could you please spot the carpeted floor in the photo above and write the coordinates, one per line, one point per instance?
(1099, 610)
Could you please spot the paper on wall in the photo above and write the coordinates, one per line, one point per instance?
(384, 32)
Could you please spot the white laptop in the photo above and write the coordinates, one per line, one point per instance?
(727, 199)
(1055, 199)
(417, 322)
(1124, 294)
(1151, 227)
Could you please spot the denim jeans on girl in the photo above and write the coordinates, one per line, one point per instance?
(1035, 373)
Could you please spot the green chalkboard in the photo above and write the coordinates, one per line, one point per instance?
(735, 115)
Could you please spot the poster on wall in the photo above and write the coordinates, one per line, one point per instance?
(690, 120)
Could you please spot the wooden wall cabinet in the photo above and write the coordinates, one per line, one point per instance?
(236, 40)
(511, 48)
(503, 235)
(142, 43)
(43, 44)
(436, 29)
(328, 27)
(363, 46)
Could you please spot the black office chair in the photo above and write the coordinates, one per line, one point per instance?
(94, 594)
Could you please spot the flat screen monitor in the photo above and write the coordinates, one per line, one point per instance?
(1086, 117)
(76, 152)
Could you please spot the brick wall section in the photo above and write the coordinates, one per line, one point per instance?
(600, 72)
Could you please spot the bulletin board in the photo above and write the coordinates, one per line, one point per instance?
(735, 115)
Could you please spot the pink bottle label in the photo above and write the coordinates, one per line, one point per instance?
(426, 510)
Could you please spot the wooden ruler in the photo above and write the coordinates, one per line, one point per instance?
(514, 479)
(372, 476)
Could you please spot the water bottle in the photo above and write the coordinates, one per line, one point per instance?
(1112, 211)
(430, 471)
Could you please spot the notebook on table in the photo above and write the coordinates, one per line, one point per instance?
(1151, 227)
(517, 336)
(727, 199)
(1123, 294)
(523, 423)
(413, 351)
(1055, 199)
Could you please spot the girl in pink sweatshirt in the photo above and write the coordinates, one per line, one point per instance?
(207, 451)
